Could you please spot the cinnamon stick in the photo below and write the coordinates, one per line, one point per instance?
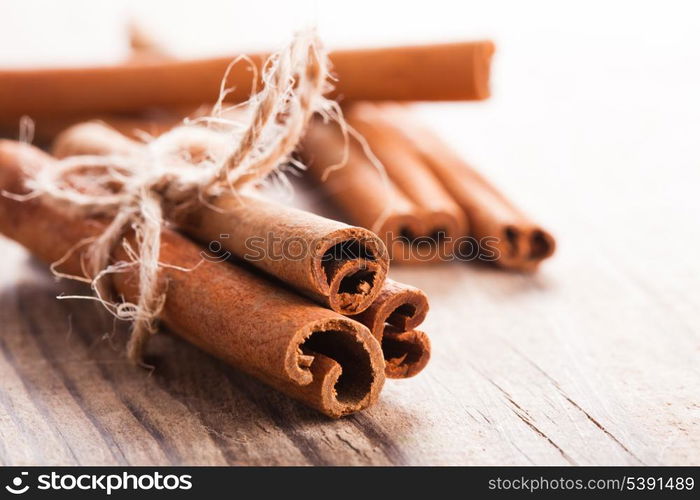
(392, 319)
(405, 353)
(443, 220)
(507, 236)
(337, 265)
(454, 71)
(340, 266)
(317, 356)
(135, 125)
(412, 233)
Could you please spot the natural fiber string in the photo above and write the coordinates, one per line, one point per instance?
(162, 183)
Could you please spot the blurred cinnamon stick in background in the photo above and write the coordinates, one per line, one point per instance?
(442, 222)
(521, 243)
(356, 185)
(430, 196)
(454, 71)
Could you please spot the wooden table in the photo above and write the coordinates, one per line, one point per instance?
(594, 360)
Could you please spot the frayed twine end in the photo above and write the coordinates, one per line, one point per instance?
(140, 191)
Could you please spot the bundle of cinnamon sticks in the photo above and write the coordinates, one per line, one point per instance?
(330, 350)
(296, 300)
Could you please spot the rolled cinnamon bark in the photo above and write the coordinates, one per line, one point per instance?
(417, 228)
(399, 306)
(340, 266)
(137, 125)
(405, 353)
(506, 235)
(317, 356)
(392, 319)
(443, 220)
(359, 190)
(337, 265)
(455, 71)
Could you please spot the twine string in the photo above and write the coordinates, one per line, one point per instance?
(140, 191)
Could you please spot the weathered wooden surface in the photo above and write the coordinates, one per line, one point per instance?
(596, 360)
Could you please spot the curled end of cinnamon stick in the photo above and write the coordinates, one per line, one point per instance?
(399, 306)
(400, 231)
(524, 248)
(352, 264)
(426, 241)
(405, 353)
(341, 364)
(392, 318)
